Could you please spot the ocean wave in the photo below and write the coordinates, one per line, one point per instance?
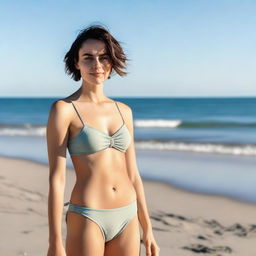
(230, 149)
(190, 124)
(215, 124)
(202, 147)
(157, 123)
(40, 130)
(22, 130)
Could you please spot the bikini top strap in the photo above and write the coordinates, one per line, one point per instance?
(119, 112)
(78, 113)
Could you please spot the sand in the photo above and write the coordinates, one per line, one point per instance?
(184, 223)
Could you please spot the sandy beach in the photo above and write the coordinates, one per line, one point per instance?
(184, 223)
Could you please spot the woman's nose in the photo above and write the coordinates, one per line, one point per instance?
(96, 62)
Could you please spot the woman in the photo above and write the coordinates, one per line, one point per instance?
(107, 202)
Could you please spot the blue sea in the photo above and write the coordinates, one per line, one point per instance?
(196, 127)
(218, 125)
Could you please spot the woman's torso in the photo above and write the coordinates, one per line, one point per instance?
(102, 180)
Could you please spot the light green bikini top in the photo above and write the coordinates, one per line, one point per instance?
(91, 140)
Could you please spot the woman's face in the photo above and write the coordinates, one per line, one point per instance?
(94, 62)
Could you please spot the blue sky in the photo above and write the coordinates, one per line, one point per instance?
(177, 48)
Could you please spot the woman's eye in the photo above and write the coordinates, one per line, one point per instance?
(102, 58)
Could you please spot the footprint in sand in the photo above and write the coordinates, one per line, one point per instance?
(199, 248)
(202, 237)
(195, 226)
(237, 229)
(26, 231)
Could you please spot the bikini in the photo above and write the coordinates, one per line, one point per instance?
(89, 141)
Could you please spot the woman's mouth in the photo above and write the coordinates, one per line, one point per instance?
(96, 74)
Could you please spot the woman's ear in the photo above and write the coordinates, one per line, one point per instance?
(76, 65)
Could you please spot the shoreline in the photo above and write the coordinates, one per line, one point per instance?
(184, 223)
(148, 180)
(228, 174)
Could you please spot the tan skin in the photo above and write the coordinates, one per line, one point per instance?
(104, 180)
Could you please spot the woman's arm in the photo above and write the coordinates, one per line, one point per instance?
(133, 173)
(57, 134)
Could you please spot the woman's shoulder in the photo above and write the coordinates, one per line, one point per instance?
(60, 112)
(123, 105)
(61, 105)
(125, 109)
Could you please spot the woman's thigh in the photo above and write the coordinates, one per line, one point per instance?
(84, 237)
(127, 243)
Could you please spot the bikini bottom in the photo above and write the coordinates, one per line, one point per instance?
(110, 221)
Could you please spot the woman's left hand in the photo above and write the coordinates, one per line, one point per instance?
(152, 248)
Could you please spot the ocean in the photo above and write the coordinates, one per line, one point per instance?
(207, 125)
(193, 126)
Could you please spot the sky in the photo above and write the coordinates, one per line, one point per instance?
(177, 48)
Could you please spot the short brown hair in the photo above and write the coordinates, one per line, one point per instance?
(117, 56)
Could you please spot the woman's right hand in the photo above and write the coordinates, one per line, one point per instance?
(56, 250)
